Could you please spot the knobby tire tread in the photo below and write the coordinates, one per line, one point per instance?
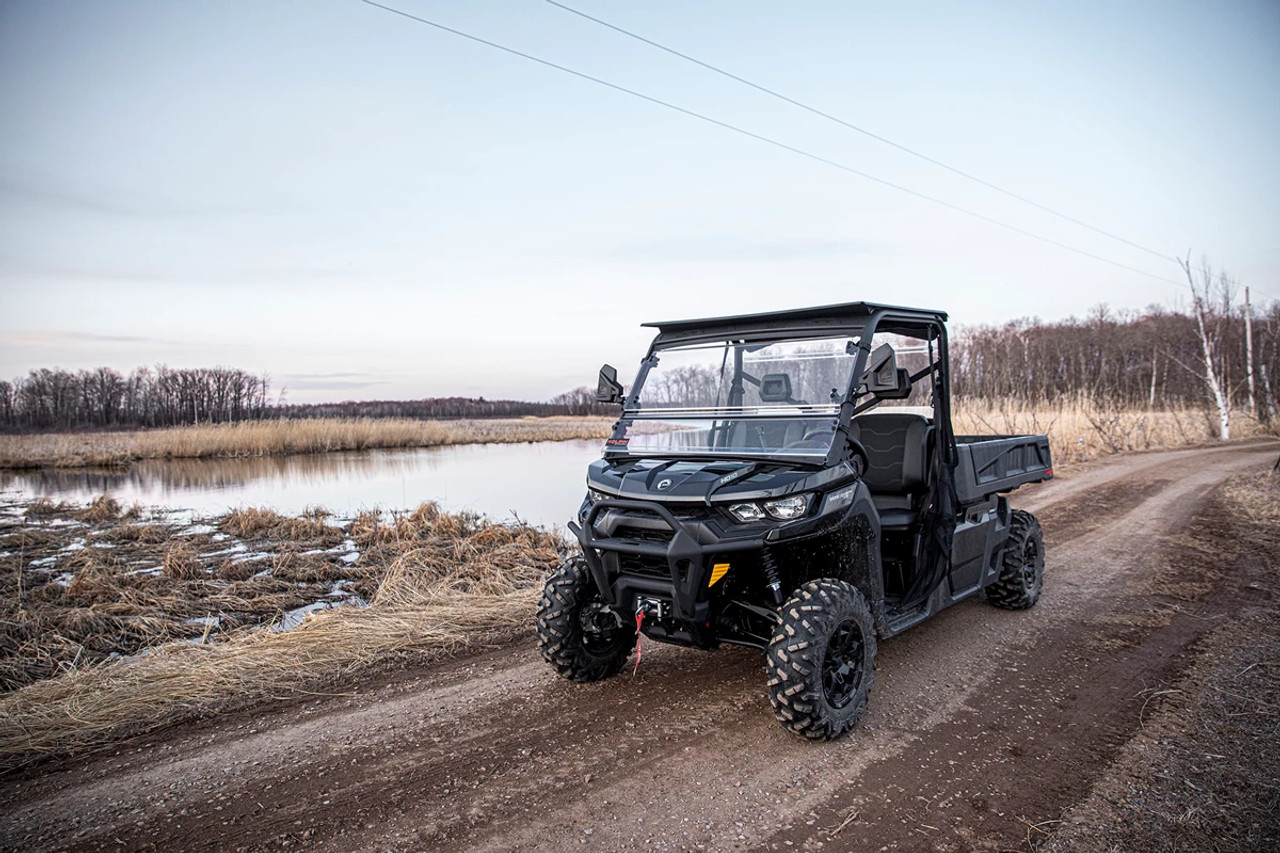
(559, 631)
(1010, 591)
(794, 659)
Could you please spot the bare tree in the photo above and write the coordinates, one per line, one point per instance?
(1209, 328)
(1248, 353)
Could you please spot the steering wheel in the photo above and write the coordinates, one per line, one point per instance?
(814, 438)
(859, 456)
(821, 437)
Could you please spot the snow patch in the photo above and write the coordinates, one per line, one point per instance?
(237, 548)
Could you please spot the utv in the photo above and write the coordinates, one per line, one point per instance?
(790, 481)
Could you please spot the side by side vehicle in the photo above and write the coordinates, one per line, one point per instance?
(791, 481)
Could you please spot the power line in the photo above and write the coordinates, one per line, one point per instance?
(849, 125)
(867, 133)
(803, 153)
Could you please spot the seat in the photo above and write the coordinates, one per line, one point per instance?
(775, 388)
(897, 445)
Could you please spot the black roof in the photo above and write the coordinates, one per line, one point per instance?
(797, 320)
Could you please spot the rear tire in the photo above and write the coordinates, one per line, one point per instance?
(1022, 570)
(577, 633)
(821, 662)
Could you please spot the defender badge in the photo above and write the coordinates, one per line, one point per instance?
(664, 484)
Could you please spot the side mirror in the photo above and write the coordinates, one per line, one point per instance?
(881, 375)
(608, 388)
(903, 389)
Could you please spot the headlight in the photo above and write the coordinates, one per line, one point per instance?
(746, 512)
(788, 508)
(596, 496)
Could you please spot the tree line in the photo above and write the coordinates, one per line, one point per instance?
(1221, 355)
(54, 399)
(104, 398)
(580, 402)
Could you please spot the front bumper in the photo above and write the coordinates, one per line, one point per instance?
(639, 550)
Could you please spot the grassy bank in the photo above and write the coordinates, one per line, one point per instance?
(1079, 430)
(267, 438)
(202, 601)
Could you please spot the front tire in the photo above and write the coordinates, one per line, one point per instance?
(577, 632)
(821, 661)
(1022, 570)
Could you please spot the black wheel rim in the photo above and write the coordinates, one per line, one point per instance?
(601, 632)
(1030, 560)
(842, 666)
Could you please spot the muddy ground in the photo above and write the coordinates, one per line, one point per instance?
(987, 730)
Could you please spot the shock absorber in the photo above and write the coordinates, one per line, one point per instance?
(772, 577)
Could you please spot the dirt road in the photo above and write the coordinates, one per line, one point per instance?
(982, 722)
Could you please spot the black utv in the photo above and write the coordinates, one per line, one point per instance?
(790, 481)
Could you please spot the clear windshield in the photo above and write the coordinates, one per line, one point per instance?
(734, 398)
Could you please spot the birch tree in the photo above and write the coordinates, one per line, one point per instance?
(1209, 327)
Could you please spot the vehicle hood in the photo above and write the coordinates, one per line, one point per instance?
(690, 480)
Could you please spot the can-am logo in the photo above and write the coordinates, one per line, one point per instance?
(664, 484)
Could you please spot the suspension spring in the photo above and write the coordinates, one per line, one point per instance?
(772, 577)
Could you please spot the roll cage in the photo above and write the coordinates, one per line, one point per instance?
(856, 319)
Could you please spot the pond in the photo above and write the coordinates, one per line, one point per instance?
(542, 482)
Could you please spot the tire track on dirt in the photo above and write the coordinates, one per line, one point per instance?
(494, 751)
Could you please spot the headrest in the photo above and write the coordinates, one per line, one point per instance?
(775, 388)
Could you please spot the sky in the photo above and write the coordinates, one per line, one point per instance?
(366, 207)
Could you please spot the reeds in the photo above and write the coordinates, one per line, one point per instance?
(434, 582)
(1080, 429)
(182, 680)
(268, 438)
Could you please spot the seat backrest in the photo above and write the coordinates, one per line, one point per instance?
(897, 445)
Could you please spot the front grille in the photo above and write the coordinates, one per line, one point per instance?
(643, 534)
(650, 567)
(646, 527)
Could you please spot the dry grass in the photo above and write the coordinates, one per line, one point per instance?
(269, 438)
(103, 508)
(45, 506)
(183, 680)
(181, 563)
(257, 522)
(436, 582)
(148, 534)
(1080, 430)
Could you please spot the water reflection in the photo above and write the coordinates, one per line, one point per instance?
(540, 482)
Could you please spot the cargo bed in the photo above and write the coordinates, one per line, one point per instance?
(999, 463)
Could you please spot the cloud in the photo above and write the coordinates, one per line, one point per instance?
(46, 338)
(195, 273)
(722, 249)
(31, 192)
(330, 381)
